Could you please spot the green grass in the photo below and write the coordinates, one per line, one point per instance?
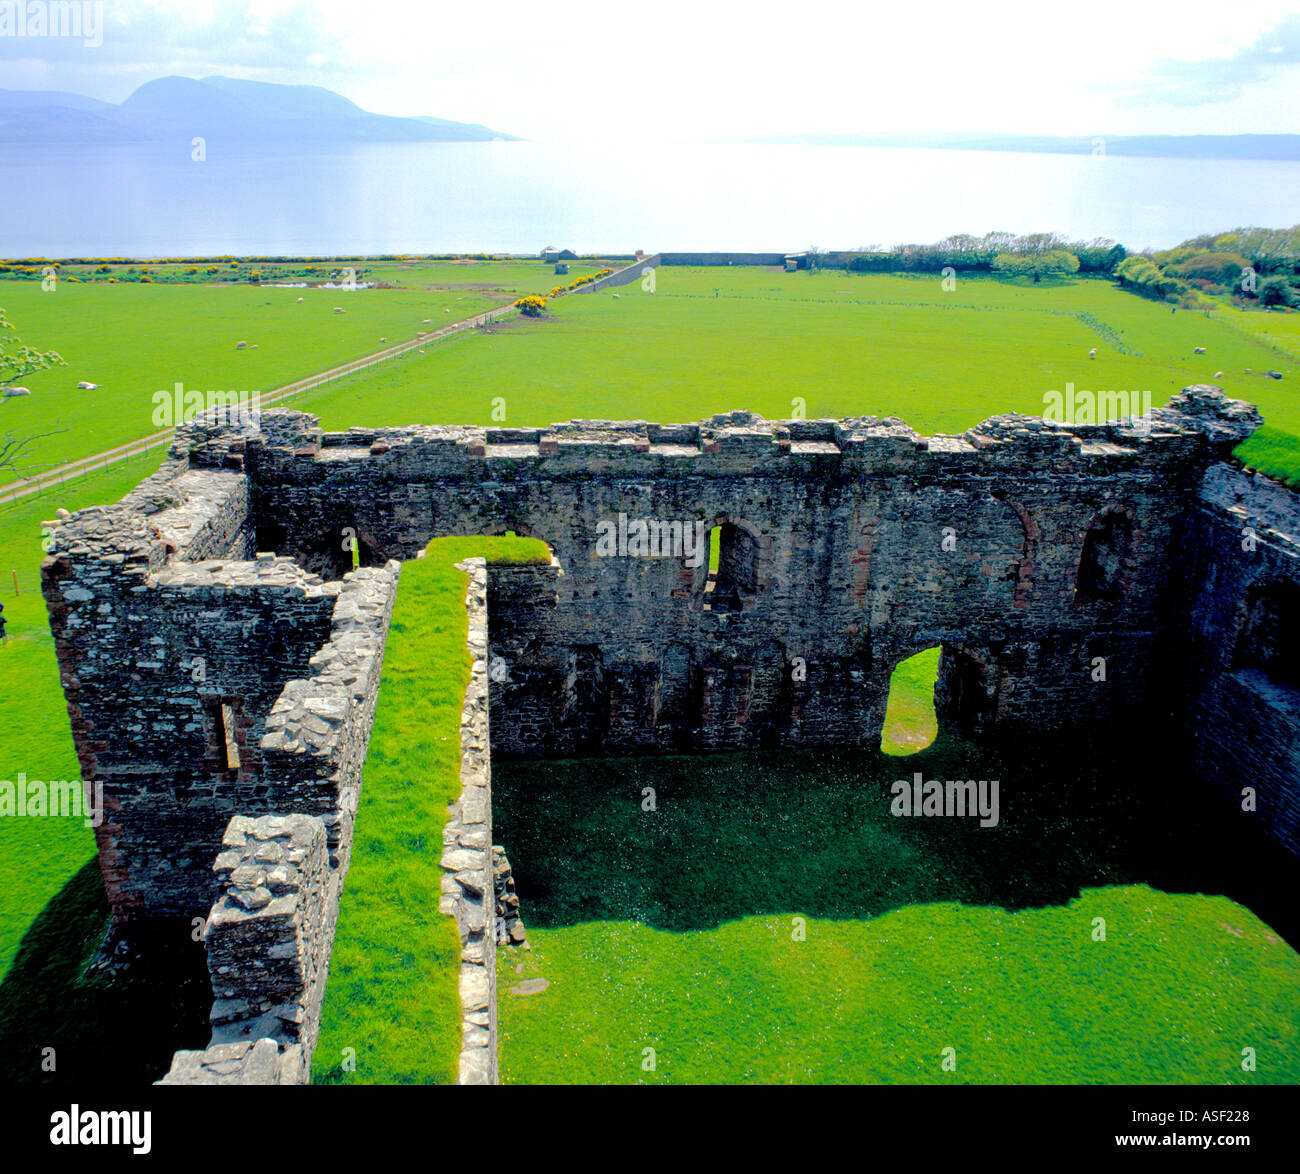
(512, 277)
(392, 995)
(910, 722)
(122, 1028)
(136, 340)
(1024, 998)
(918, 934)
(1277, 328)
(827, 344)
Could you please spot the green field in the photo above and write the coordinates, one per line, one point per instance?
(1023, 998)
(827, 344)
(37, 857)
(135, 340)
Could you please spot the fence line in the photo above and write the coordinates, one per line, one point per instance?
(41, 483)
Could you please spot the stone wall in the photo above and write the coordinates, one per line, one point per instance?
(620, 277)
(1239, 653)
(268, 939)
(178, 654)
(853, 544)
(468, 882)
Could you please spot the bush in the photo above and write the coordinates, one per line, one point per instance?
(1141, 275)
(1221, 268)
(1276, 292)
(532, 306)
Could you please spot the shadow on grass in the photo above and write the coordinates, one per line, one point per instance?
(122, 1028)
(812, 832)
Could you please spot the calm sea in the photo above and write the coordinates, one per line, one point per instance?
(521, 197)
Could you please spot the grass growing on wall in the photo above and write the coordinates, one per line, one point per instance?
(392, 1002)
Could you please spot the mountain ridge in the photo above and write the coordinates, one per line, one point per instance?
(225, 112)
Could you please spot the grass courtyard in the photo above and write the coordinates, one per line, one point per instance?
(802, 934)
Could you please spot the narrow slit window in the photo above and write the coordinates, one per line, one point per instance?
(226, 735)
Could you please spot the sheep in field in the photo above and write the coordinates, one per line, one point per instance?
(1200, 350)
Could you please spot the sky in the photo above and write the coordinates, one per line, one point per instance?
(672, 70)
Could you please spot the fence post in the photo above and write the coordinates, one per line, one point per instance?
(15, 575)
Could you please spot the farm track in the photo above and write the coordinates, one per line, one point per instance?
(17, 490)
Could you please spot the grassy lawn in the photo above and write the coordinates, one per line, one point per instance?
(393, 983)
(1023, 998)
(710, 340)
(803, 934)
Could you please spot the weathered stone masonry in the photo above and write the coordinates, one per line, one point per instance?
(206, 682)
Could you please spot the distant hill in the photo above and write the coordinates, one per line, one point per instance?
(1286, 147)
(226, 112)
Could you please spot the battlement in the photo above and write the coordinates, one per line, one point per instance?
(288, 446)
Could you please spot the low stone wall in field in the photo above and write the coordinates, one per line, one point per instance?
(620, 277)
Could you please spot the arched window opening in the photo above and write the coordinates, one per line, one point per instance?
(733, 568)
(1107, 556)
